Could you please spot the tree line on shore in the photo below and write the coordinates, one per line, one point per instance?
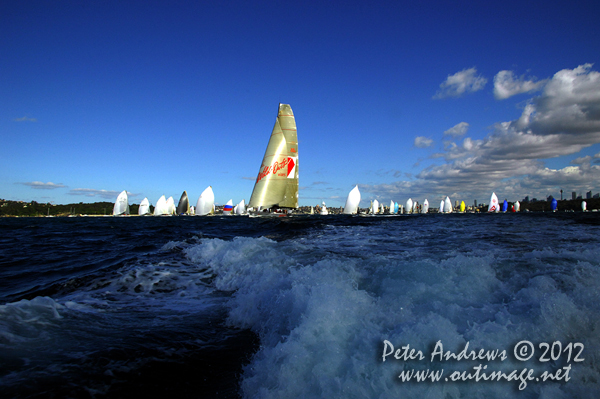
(33, 208)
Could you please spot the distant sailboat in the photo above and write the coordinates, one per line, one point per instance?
(352, 201)
(381, 209)
(447, 205)
(392, 208)
(183, 208)
(517, 206)
(228, 208)
(462, 207)
(425, 208)
(553, 204)
(240, 208)
(409, 206)
(171, 210)
(144, 208)
(324, 210)
(277, 182)
(505, 206)
(493, 207)
(583, 206)
(375, 206)
(441, 207)
(161, 207)
(396, 208)
(121, 205)
(205, 203)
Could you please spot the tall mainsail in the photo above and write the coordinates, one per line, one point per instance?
(277, 181)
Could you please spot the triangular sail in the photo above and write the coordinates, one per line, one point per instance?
(447, 205)
(183, 208)
(277, 181)
(121, 205)
(161, 207)
(144, 208)
(206, 201)
(493, 207)
(352, 201)
(171, 206)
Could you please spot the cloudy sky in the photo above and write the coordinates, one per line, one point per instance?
(405, 99)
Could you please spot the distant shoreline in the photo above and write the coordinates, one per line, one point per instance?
(101, 209)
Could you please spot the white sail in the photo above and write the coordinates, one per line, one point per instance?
(206, 201)
(415, 207)
(447, 205)
(312, 210)
(375, 206)
(171, 210)
(161, 207)
(517, 206)
(144, 208)
(228, 208)
(121, 205)
(425, 208)
(583, 206)
(324, 210)
(240, 208)
(381, 209)
(392, 207)
(409, 206)
(352, 201)
(277, 181)
(493, 206)
(441, 207)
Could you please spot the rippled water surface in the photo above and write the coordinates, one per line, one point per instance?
(295, 307)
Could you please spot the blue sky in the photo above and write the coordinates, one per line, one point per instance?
(405, 99)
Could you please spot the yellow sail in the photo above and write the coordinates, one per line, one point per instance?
(277, 181)
(462, 206)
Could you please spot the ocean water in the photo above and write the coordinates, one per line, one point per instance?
(429, 306)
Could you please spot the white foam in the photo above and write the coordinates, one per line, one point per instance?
(28, 319)
(322, 317)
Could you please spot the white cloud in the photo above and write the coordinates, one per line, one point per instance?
(561, 121)
(457, 130)
(90, 192)
(423, 142)
(460, 83)
(25, 119)
(38, 185)
(505, 85)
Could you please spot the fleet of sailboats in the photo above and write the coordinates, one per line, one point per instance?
(277, 185)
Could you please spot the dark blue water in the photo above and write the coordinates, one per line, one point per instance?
(112, 307)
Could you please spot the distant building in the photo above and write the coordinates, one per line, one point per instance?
(526, 199)
(574, 195)
(475, 203)
(596, 195)
(588, 195)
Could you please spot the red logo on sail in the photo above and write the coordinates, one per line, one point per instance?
(276, 167)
